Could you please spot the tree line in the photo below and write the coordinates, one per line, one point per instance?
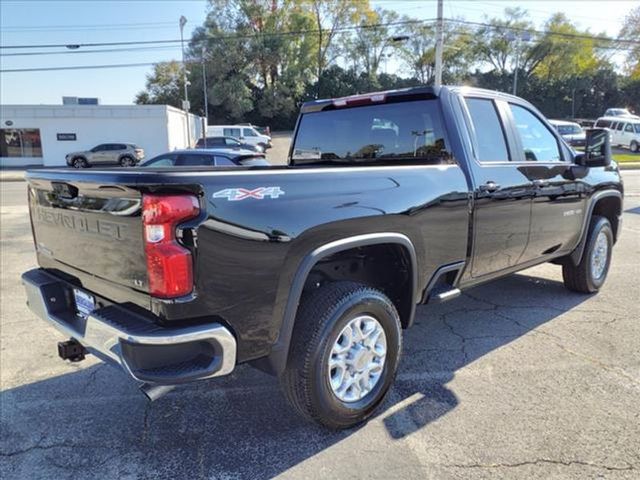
(263, 58)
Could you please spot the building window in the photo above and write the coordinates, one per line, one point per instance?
(20, 142)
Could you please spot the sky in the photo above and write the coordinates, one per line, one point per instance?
(36, 22)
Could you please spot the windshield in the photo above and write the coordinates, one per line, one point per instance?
(569, 129)
(409, 132)
(637, 127)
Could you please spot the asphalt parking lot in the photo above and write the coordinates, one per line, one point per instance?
(516, 379)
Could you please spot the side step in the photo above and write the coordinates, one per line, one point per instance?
(444, 296)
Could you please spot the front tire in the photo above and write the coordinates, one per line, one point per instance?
(344, 354)
(635, 147)
(590, 274)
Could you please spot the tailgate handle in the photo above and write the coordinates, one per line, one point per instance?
(64, 190)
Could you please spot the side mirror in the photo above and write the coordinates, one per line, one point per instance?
(597, 150)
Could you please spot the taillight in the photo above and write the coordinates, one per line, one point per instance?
(169, 264)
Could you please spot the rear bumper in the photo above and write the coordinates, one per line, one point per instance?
(146, 351)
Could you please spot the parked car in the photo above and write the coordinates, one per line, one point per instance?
(261, 130)
(625, 131)
(244, 133)
(619, 112)
(570, 131)
(125, 154)
(227, 142)
(311, 271)
(213, 157)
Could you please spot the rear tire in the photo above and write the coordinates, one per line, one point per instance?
(127, 162)
(336, 373)
(590, 274)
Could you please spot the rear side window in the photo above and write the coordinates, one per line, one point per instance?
(232, 132)
(161, 161)
(538, 143)
(404, 132)
(620, 126)
(602, 124)
(195, 159)
(223, 161)
(492, 145)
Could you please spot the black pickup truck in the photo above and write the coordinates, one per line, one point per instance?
(311, 271)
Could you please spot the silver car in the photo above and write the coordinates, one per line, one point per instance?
(124, 154)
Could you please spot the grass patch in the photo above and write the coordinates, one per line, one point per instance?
(626, 157)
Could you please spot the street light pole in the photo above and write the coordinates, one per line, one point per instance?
(185, 103)
(439, 45)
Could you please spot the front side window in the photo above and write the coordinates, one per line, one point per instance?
(538, 143)
(628, 128)
(637, 125)
(492, 145)
(405, 132)
(20, 142)
(249, 132)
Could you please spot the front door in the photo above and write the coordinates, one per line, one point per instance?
(502, 192)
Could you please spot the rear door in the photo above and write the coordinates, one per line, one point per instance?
(502, 191)
(558, 202)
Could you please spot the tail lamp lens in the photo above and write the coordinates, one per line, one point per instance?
(169, 264)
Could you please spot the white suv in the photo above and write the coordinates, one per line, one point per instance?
(625, 131)
(244, 133)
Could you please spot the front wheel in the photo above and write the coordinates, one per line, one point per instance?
(590, 274)
(79, 162)
(635, 147)
(344, 354)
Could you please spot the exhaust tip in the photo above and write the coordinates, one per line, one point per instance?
(154, 392)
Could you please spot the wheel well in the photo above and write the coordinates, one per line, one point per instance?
(387, 267)
(609, 207)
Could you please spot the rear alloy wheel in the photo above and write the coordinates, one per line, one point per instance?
(589, 275)
(127, 162)
(344, 354)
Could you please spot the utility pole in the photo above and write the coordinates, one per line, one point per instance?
(204, 85)
(185, 102)
(439, 45)
(518, 38)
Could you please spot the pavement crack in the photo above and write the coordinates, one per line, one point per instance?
(542, 461)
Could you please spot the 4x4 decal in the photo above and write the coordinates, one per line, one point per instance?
(260, 193)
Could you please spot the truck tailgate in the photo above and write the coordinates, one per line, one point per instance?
(93, 228)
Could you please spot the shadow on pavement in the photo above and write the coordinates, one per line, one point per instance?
(95, 423)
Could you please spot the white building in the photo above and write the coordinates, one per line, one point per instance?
(44, 134)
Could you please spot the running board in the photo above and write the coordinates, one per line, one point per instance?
(445, 296)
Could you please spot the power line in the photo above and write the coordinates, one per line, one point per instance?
(543, 32)
(105, 50)
(100, 26)
(78, 67)
(221, 37)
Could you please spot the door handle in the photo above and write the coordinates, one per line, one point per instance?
(490, 186)
(541, 183)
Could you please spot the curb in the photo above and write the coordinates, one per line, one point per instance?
(629, 166)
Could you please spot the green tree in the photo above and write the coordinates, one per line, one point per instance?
(631, 31)
(163, 86)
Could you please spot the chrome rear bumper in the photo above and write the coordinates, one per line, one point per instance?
(148, 352)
